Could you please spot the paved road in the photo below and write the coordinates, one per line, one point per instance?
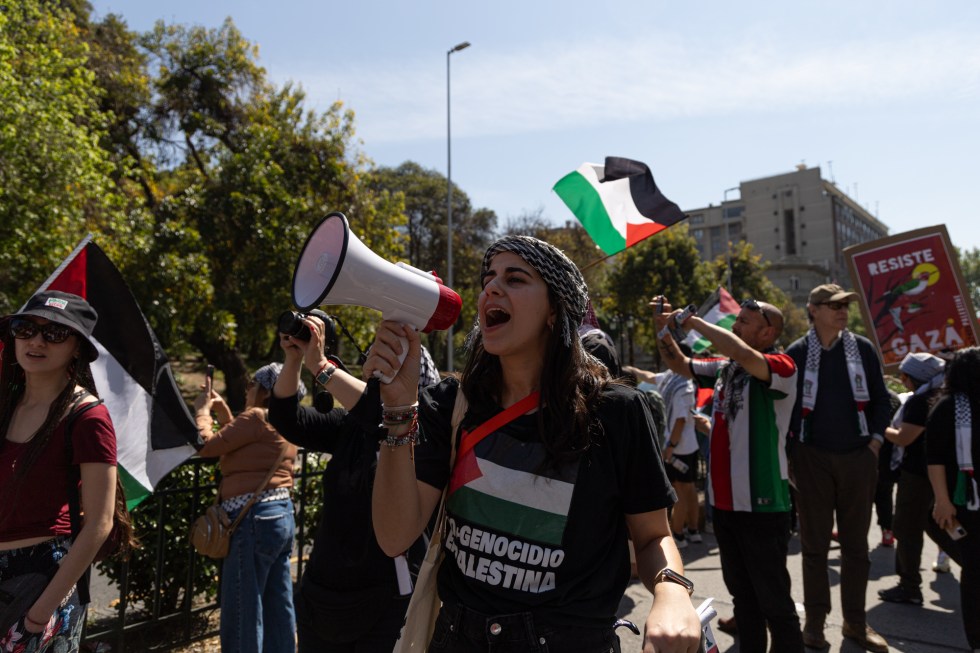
(936, 627)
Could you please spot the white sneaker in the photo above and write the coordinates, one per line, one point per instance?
(694, 536)
(941, 566)
(680, 541)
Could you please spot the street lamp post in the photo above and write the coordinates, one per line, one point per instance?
(630, 323)
(724, 225)
(449, 201)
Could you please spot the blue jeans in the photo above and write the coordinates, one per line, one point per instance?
(257, 613)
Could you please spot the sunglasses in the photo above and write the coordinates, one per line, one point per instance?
(835, 306)
(753, 305)
(24, 329)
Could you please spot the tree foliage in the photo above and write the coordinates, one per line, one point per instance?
(970, 266)
(55, 180)
(743, 273)
(666, 264)
(424, 192)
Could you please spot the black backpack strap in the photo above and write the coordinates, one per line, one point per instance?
(74, 499)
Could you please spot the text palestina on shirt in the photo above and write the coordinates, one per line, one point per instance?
(497, 567)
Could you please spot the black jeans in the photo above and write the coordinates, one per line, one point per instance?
(354, 621)
(968, 552)
(459, 630)
(753, 549)
(913, 517)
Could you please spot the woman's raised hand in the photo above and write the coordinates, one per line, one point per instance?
(383, 361)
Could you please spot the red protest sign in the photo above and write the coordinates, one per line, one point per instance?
(912, 294)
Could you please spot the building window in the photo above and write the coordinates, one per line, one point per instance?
(716, 241)
(789, 228)
(698, 234)
(732, 212)
(794, 282)
(697, 218)
(734, 230)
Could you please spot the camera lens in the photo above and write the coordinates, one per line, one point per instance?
(291, 324)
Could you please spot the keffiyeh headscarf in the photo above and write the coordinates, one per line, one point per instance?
(266, 377)
(557, 270)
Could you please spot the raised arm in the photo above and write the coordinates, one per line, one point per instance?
(401, 505)
(670, 353)
(731, 346)
(345, 388)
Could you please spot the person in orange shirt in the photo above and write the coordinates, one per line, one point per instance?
(257, 612)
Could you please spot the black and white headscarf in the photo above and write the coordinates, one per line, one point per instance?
(557, 270)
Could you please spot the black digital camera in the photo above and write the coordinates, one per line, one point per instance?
(291, 324)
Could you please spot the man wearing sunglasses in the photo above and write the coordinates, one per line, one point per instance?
(755, 390)
(842, 410)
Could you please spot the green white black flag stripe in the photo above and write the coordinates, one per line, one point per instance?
(618, 203)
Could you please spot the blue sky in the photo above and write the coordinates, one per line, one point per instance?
(883, 96)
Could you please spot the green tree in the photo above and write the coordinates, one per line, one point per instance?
(424, 194)
(248, 173)
(56, 183)
(743, 273)
(970, 266)
(669, 264)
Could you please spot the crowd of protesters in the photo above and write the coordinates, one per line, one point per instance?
(541, 444)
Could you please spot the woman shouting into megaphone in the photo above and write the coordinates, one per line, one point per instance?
(552, 468)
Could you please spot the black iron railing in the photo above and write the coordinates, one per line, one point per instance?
(150, 625)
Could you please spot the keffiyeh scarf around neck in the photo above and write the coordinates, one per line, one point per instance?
(855, 373)
(966, 492)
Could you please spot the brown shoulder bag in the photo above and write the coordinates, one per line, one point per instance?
(211, 532)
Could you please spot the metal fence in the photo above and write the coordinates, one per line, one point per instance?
(134, 627)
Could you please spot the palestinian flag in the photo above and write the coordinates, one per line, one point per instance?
(154, 428)
(719, 309)
(618, 203)
(511, 495)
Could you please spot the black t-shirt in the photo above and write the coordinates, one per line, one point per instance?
(941, 444)
(916, 412)
(524, 536)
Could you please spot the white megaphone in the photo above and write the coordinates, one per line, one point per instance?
(335, 268)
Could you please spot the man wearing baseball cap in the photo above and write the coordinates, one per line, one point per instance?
(842, 410)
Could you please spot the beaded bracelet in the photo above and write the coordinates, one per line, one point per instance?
(411, 437)
(399, 415)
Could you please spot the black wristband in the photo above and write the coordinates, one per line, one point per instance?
(672, 444)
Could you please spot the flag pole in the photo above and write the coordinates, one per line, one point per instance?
(599, 260)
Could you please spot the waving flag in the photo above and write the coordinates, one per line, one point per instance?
(618, 203)
(719, 309)
(154, 428)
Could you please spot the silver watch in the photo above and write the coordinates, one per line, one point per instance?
(668, 574)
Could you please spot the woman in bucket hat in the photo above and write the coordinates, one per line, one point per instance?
(44, 376)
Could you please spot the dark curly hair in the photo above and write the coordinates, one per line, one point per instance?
(963, 374)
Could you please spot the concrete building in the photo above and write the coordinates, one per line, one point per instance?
(799, 223)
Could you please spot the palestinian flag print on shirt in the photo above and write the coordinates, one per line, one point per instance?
(502, 486)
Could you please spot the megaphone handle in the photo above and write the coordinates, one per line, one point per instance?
(403, 341)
